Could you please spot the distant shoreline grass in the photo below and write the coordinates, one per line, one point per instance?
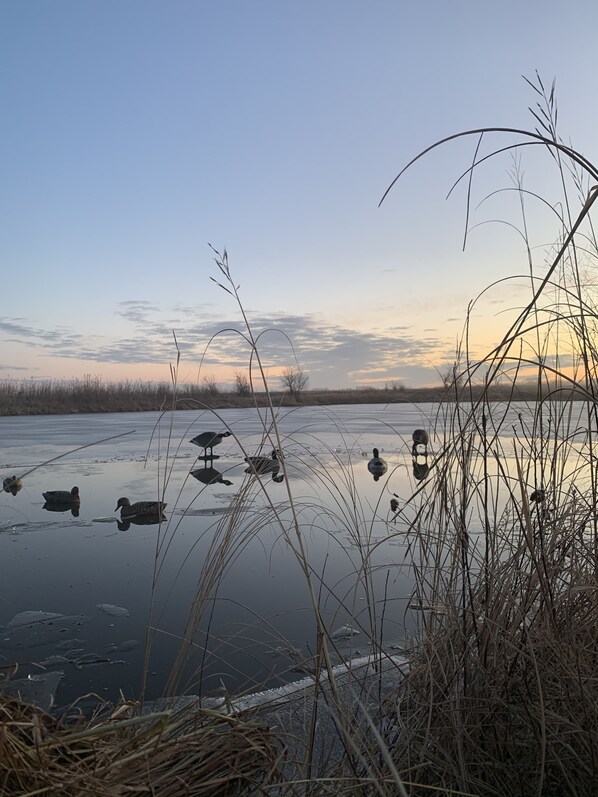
(92, 395)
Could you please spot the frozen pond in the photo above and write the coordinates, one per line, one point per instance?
(113, 589)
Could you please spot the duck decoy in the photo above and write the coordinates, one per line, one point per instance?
(209, 475)
(377, 466)
(420, 438)
(62, 496)
(263, 465)
(207, 440)
(140, 508)
(12, 484)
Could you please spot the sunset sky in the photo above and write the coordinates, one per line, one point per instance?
(135, 132)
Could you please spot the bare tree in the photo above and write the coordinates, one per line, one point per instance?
(294, 380)
(242, 384)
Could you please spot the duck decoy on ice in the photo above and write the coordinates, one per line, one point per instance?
(62, 496)
(12, 484)
(262, 465)
(140, 508)
(207, 440)
(377, 466)
(420, 438)
(209, 475)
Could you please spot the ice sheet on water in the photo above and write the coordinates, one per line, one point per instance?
(47, 631)
(344, 632)
(112, 610)
(33, 616)
(37, 689)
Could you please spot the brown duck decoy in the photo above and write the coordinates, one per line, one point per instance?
(62, 496)
(12, 484)
(140, 508)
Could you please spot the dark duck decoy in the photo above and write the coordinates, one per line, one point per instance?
(420, 438)
(262, 465)
(62, 496)
(207, 440)
(140, 508)
(377, 466)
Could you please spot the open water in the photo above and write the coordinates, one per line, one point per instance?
(114, 591)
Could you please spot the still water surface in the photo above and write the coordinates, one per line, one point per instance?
(54, 562)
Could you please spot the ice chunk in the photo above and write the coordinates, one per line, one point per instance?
(37, 689)
(46, 631)
(113, 611)
(26, 618)
(344, 632)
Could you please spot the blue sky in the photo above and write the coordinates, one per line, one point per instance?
(136, 131)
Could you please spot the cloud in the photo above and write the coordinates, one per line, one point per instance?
(333, 355)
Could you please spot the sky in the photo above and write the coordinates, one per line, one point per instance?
(137, 133)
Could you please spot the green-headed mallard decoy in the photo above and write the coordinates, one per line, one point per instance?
(62, 496)
(207, 440)
(140, 508)
(377, 466)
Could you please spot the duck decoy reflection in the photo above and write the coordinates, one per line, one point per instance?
(377, 466)
(12, 484)
(207, 440)
(209, 475)
(420, 470)
(142, 520)
(62, 496)
(140, 509)
(54, 506)
(420, 438)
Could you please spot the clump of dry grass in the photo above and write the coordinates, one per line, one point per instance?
(502, 696)
(187, 751)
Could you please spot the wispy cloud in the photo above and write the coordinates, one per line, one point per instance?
(331, 353)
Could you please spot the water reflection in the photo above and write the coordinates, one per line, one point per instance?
(56, 506)
(209, 475)
(141, 520)
(420, 469)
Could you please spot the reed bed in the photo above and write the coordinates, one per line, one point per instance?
(164, 753)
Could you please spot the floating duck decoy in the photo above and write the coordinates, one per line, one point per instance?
(207, 440)
(62, 496)
(377, 466)
(420, 438)
(263, 465)
(12, 484)
(139, 509)
(209, 475)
